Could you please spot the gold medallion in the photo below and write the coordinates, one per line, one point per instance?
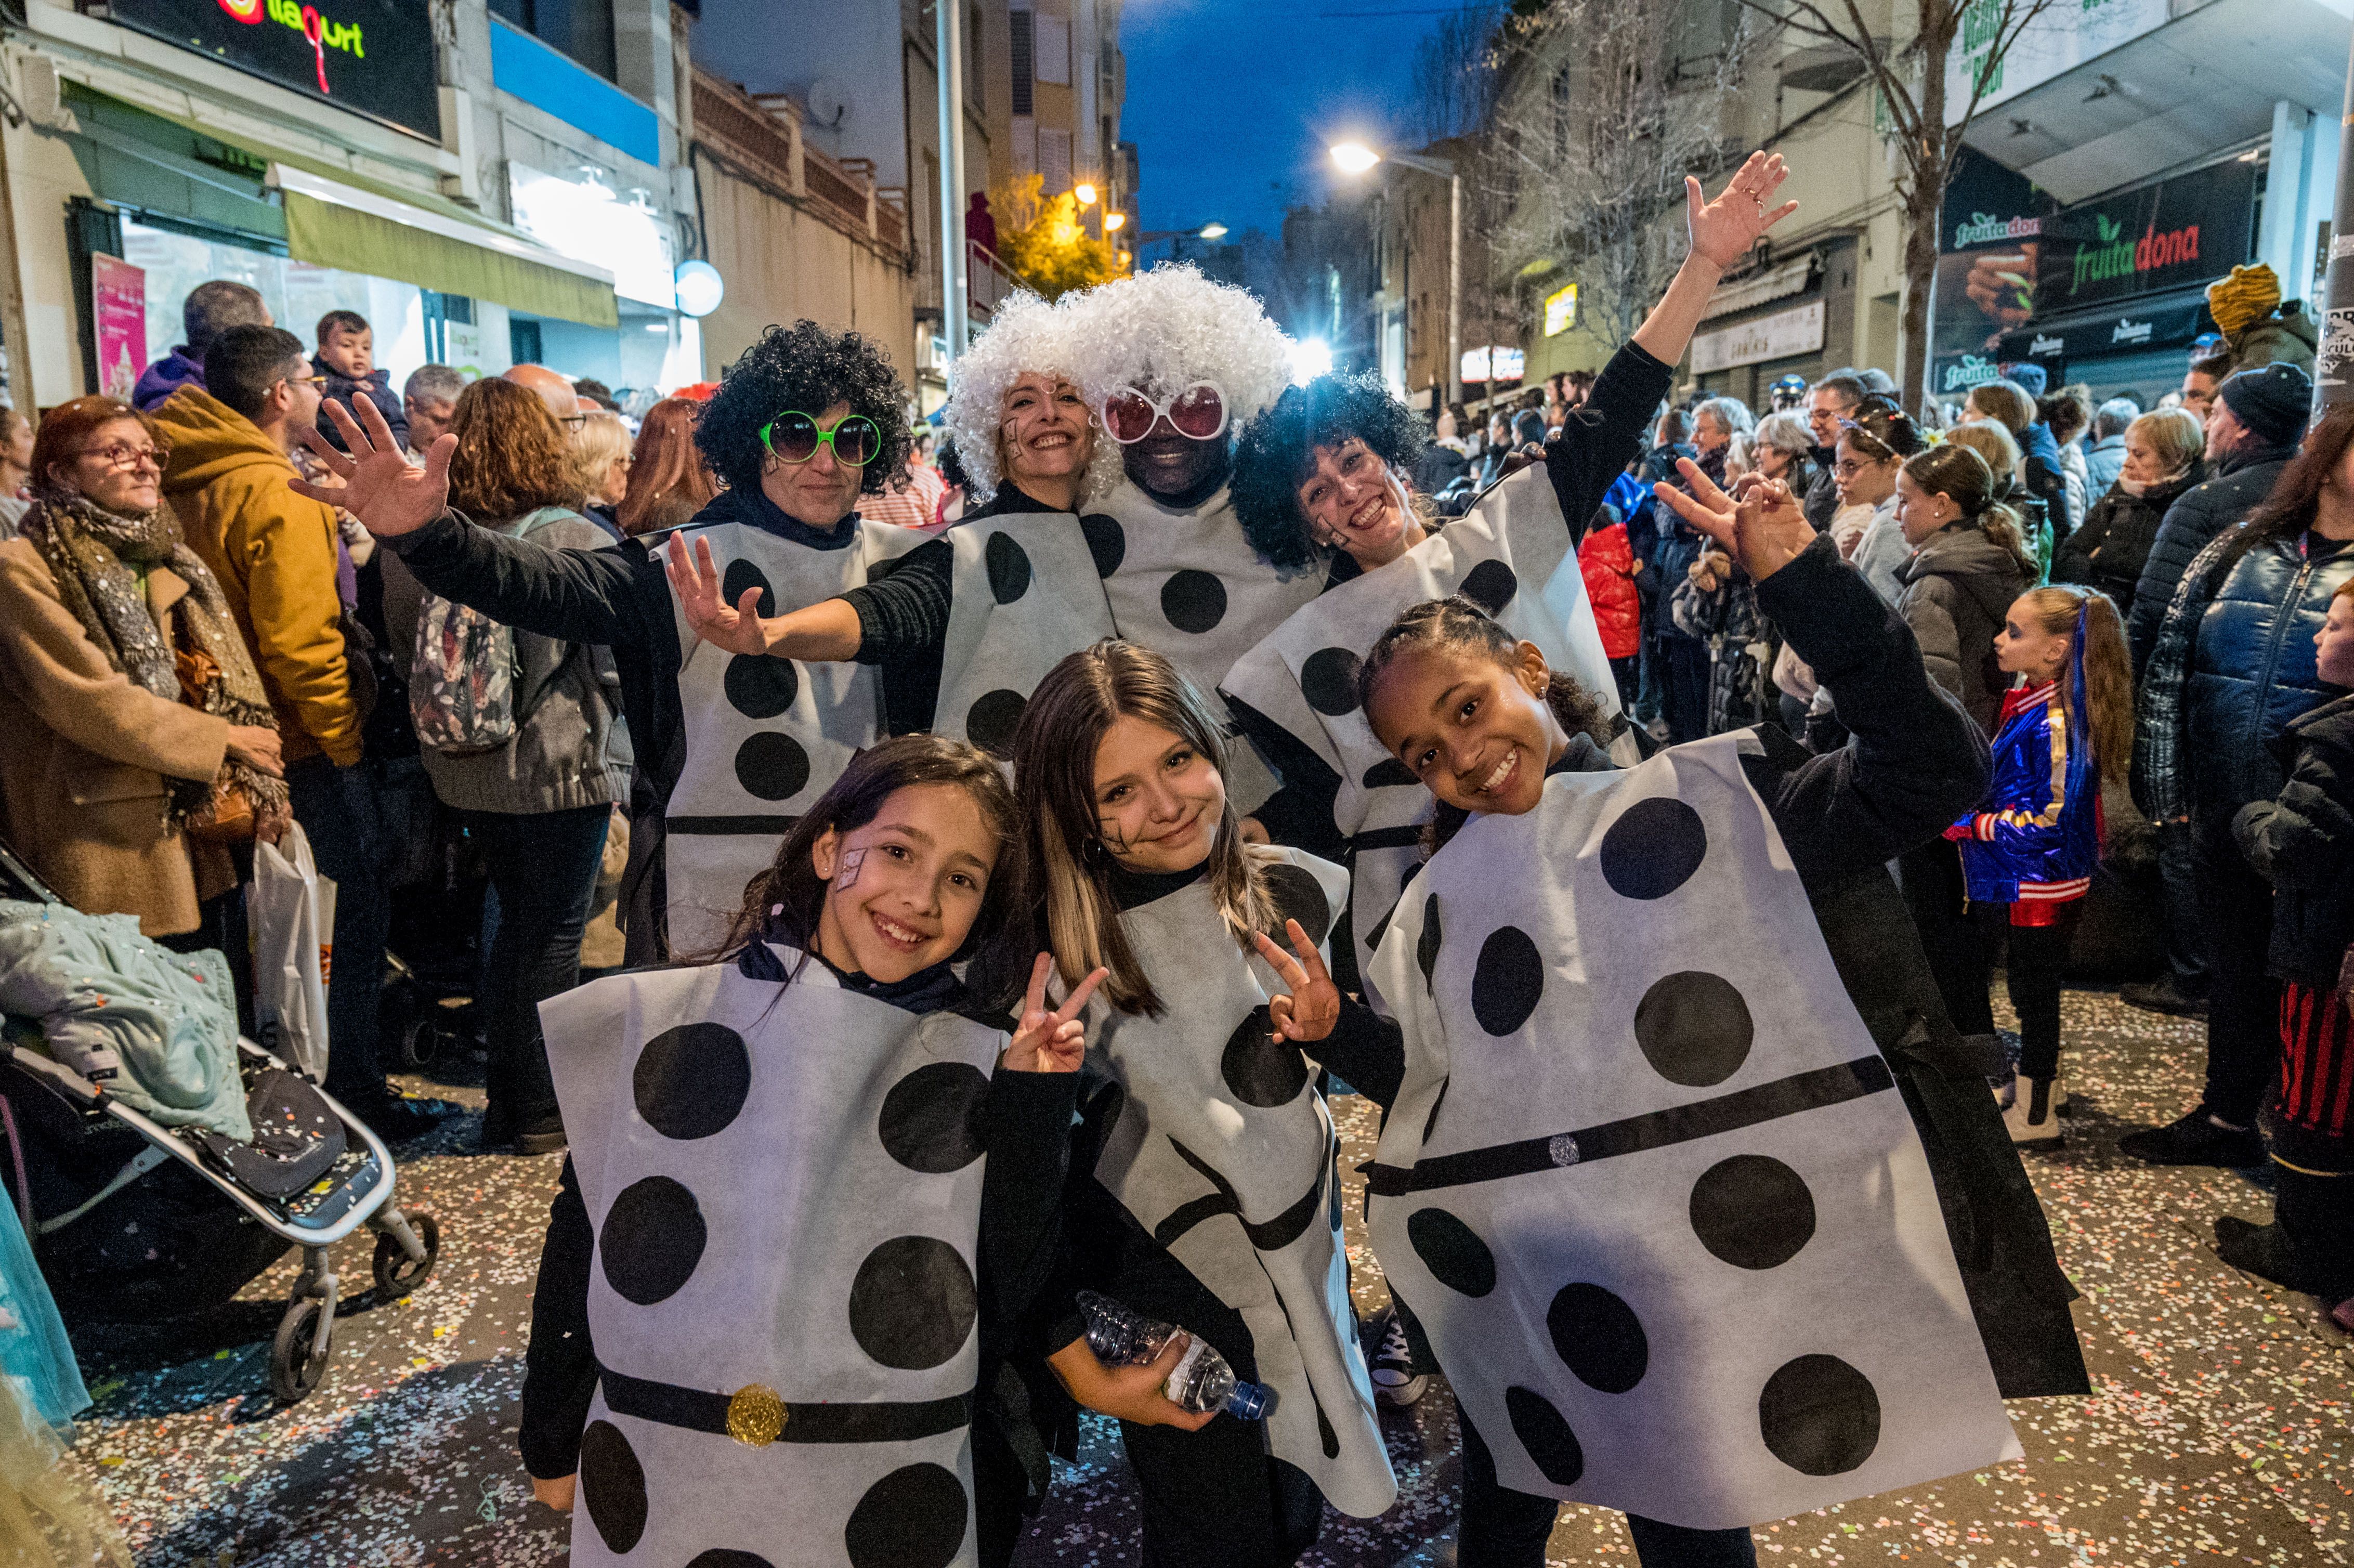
(755, 1415)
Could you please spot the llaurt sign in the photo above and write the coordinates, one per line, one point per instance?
(372, 57)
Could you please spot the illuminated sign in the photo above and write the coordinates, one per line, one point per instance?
(372, 57)
(589, 221)
(1561, 309)
(1496, 364)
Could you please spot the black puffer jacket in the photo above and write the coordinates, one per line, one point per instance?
(2302, 841)
(1958, 586)
(2205, 510)
(2110, 550)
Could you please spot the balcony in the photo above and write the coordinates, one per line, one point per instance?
(763, 138)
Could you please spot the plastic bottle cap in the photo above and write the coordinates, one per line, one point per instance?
(1248, 1402)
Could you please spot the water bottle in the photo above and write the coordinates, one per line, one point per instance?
(1202, 1381)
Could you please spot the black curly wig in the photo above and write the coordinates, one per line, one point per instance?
(1277, 452)
(808, 367)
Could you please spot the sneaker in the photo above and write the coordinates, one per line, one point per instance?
(2194, 1138)
(541, 1138)
(1394, 1380)
(2032, 1118)
(2161, 995)
(2005, 1090)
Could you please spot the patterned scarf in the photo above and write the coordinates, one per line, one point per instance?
(99, 559)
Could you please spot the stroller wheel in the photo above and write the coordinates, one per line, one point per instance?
(420, 1041)
(297, 1363)
(397, 1274)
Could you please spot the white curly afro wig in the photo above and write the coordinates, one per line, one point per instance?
(1166, 329)
(1026, 335)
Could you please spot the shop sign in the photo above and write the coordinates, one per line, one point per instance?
(373, 56)
(1798, 330)
(1561, 309)
(2058, 37)
(1494, 364)
(2129, 331)
(2163, 236)
(588, 221)
(1956, 375)
(117, 314)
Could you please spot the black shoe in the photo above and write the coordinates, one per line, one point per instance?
(2195, 1139)
(396, 1119)
(2161, 995)
(2265, 1251)
(540, 1137)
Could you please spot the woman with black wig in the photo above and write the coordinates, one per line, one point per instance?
(806, 422)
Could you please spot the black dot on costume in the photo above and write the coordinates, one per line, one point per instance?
(1491, 585)
(1507, 982)
(760, 686)
(1430, 1122)
(912, 1303)
(994, 717)
(1545, 1434)
(930, 1120)
(1329, 681)
(1192, 600)
(1599, 1337)
(1452, 1251)
(1107, 541)
(1298, 895)
(771, 766)
(612, 1487)
(1388, 773)
(1324, 1433)
(1009, 567)
(742, 574)
(1819, 1415)
(1425, 946)
(1260, 1070)
(1752, 1212)
(1380, 926)
(691, 1081)
(1653, 848)
(1476, 1461)
(653, 1239)
(1694, 1029)
(727, 1557)
(912, 1518)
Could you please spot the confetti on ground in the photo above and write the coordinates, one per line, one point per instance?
(2217, 1432)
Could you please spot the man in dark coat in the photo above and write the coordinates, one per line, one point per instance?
(1832, 398)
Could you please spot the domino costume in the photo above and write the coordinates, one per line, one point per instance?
(793, 1189)
(1027, 591)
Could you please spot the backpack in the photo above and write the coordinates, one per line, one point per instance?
(461, 683)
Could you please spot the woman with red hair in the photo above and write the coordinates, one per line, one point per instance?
(668, 480)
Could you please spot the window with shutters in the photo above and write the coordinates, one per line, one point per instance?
(1023, 50)
(1055, 160)
(1054, 50)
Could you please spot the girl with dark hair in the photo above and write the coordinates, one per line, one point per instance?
(2232, 669)
(1200, 1176)
(2029, 849)
(1572, 1206)
(825, 1178)
(1874, 439)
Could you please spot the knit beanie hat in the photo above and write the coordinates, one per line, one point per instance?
(2032, 378)
(2245, 298)
(2273, 402)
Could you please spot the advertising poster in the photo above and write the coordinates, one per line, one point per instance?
(118, 307)
(373, 56)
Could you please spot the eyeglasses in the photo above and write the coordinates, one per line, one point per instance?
(572, 423)
(121, 456)
(1198, 413)
(793, 438)
(1847, 467)
(304, 380)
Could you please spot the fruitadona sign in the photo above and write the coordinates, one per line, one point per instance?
(2188, 229)
(372, 57)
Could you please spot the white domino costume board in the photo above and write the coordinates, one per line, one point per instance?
(1649, 1185)
(1029, 591)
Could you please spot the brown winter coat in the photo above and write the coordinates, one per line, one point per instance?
(85, 755)
(274, 553)
(1958, 586)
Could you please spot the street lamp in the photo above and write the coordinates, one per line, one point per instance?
(1356, 158)
(1212, 230)
(1086, 193)
(1115, 221)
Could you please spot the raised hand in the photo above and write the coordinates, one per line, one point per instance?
(1724, 230)
(1764, 528)
(1314, 1005)
(1051, 1040)
(374, 482)
(735, 628)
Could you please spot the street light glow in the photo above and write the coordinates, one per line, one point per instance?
(1214, 231)
(1115, 221)
(1310, 358)
(1086, 193)
(1354, 157)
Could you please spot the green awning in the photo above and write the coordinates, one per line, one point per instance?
(331, 235)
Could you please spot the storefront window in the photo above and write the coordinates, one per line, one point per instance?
(581, 28)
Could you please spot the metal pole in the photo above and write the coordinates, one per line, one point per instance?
(1454, 282)
(2334, 372)
(955, 311)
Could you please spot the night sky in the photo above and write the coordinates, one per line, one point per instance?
(1230, 100)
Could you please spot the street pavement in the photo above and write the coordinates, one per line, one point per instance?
(2217, 1432)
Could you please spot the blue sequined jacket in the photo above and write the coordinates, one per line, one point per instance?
(2037, 835)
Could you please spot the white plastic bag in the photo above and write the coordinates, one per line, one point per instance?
(289, 912)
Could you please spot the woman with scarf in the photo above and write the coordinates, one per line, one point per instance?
(131, 707)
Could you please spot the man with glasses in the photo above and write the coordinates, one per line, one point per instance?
(1832, 399)
(555, 390)
(731, 749)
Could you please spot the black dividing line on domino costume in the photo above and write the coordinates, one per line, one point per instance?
(1268, 1235)
(726, 827)
(874, 1421)
(1634, 1134)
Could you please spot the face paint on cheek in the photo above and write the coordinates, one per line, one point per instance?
(845, 876)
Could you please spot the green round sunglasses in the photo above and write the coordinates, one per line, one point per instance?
(793, 437)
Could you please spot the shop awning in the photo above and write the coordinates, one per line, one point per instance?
(340, 221)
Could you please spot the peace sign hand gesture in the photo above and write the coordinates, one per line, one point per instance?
(1051, 1041)
(1760, 523)
(1313, 1006)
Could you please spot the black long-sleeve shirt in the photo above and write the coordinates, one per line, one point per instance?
(1025, 1129)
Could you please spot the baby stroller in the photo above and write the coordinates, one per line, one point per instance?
(133, 1220)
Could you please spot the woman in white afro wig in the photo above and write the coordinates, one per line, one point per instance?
(1162, 331)
(1027, 337)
